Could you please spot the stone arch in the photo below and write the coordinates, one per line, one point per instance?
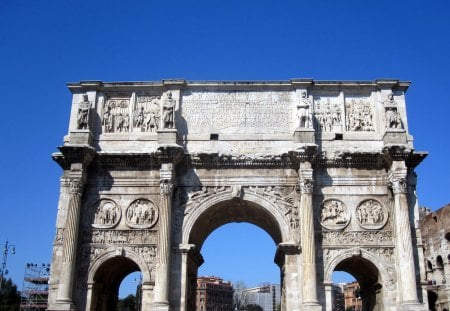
(247, 200)
(106, 273)
(217, 210)
(370, 272)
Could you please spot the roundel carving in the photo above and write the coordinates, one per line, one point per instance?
(371, 214)
(141, 213)
(334, 215)
(106, 214)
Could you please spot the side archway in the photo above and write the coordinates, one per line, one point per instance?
(106, 274)
(373, 276)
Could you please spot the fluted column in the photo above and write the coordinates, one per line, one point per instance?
(307, 239)
(405, 259)
(163, 263)
(76, 181)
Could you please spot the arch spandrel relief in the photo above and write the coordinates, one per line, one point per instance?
(141, 214)
(371, 214)
(334, 214)
(106, 214)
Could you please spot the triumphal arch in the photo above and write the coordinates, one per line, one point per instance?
(150, 169)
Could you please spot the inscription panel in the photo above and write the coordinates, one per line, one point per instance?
(258, 112)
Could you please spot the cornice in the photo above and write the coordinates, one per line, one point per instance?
(310, 83)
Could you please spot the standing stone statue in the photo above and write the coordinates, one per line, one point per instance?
(168, 112)
(393, 120)
(83, 113)
(303, 112)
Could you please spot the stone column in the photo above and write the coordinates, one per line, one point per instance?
(163, 264)
(76, 181)
(307, 237)
(405, 257)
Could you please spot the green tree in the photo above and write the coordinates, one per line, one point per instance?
(127, 304)
(9, 296)
(252, 307)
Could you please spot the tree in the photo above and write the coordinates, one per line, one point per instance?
(238, 287)
(9, 296)
(252, 307)
(127, 304)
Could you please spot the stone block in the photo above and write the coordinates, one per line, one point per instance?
(80, 137)
(304, 136)
(395, 137)
(167, 136)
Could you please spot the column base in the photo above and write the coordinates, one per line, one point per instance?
(161, 306)
(413, 306)
(311, 306)
(62, 305)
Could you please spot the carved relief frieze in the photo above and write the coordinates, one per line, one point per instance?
(148, 253)
(105, 214)
(371, 214)
(147, 114)
(141, 214)
(346, 238)
(103, 236)
(115, 117)
(359, 115)
(327, 114)
(334, 215)
(203, 193)
(386, 253)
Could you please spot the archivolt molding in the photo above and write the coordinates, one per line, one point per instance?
(193, 211)
(119, 252)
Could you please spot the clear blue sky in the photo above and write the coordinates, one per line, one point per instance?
(45, 44)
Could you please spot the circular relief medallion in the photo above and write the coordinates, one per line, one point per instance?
(334, 215)
(106, 214)
(142, 213)
(371, 214)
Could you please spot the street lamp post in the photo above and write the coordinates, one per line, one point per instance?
(6, 250)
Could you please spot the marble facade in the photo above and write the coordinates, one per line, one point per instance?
(150, 169)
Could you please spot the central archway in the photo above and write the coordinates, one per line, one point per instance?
(201, 220)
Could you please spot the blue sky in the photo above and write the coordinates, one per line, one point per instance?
(45, 44)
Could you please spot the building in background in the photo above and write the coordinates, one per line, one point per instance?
(338, 297)
(34, 295)
(435, 229)
(214, 294)
(352, 296)
(266, 296)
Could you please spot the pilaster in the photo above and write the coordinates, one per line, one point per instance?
(307, 238)
(162, 286)
(404, 249)
(77, 159)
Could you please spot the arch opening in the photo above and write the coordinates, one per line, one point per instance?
(107, 281)
(365, 293)
(218, 216)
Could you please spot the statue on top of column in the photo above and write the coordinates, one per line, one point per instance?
(168, 112)
(304, 112)
(83, 113)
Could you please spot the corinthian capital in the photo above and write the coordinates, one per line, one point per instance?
(305, 176)
(399, 185)
(166, 186)
(76, 185)
(166, 179)
(398, 177)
